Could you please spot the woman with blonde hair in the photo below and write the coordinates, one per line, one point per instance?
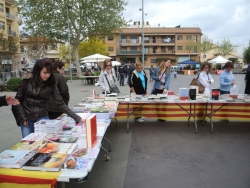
(107, 77)
(161, 76)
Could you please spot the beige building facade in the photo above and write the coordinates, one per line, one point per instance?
(9, 25)
(159, 42)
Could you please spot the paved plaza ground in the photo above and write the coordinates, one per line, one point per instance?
(162, 154)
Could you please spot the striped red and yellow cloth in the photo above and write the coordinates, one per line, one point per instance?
(19, 178)
(172, 112)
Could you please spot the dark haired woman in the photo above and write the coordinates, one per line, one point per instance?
(226, 78)
(107, 77)
(34, 92)
(205, 78)
(161, 76)
(54, 110)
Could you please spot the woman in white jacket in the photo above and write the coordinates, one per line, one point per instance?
(107, 77)
(205, 78)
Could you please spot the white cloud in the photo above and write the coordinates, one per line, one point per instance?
(218, 19)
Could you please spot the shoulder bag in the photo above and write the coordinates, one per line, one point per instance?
(113, 88)
(195, 82)
(14, 111)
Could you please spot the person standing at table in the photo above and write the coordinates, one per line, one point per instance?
(54, 110)
(107, 77)
(138, 83)
(161, 76)
(226, 78)
(8, 100)
(35, 91)
(205, 78)
(247, 80)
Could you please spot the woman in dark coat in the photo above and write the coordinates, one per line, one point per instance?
(247, 80)
(34, 92)
(54, 110)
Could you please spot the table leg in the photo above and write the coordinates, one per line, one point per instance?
(190, 110)
(128, 118)
(195, 123)
(211, 115)
(203, 120)
(108, 143)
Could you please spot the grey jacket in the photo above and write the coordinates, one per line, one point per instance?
(103, 81)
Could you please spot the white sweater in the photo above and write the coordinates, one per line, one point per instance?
(203, 78)
(103, 81)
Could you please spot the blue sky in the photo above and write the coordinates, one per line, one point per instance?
(219, 19)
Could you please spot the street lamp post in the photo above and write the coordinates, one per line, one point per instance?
(143, 33)
(70, 68)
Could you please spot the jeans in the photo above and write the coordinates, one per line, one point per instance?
(224, 92)
(26, 130)
(122, 79)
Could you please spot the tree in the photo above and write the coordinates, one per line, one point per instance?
(192, 46)
(86, 19)
(206, 45)
(246, 55)
(92, 46)
(224, 47)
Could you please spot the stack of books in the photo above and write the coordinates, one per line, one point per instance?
(48, 126)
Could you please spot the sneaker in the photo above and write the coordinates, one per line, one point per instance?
(140, 120)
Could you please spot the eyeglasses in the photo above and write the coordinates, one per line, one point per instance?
(108, 65)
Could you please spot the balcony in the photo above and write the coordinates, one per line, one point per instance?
(9, 2)
(131, 52)
(12, 33)
(10, 16)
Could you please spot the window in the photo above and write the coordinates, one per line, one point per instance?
(153, 61)
(2, 25)
(154, 49)
(179, 37)
(189, 37)
(110, 37)
(146, 50)
(123, 48)
(1, 7)
(179, 47)
(110, 48)
(188, 48)
(133, 39)
(163, 49)
(195, 38)
(170, 48)
(133, 48)
(146, 39)
(195, 49)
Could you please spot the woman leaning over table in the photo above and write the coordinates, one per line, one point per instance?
(138, 83)
(61, 83)
(107, 77)
(40, 85)
(205, 78)
(226, 78)
(161, 76)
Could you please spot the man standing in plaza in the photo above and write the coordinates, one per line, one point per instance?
(121, 71)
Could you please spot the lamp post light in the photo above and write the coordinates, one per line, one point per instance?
(142, 10)
(70, 68)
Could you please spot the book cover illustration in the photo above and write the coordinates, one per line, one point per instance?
(35, 136)
(48, 123)
(91, 131)
(14, 158)
(78, 164)
(46, 162)
(81, 153)
(99, 109)
(29, 145)
(61, 139)
(64, 148)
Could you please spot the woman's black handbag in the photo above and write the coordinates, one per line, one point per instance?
(113, 88)
(13, 109)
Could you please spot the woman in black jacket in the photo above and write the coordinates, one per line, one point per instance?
(138, 83)
(61, 83)
(34, 93)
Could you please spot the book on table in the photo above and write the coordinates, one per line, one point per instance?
(81, 164)
(35, 136)
(62, 148)
(88, 153)
(46, 162)
(91, 131)
(29, 145)
(15, 158)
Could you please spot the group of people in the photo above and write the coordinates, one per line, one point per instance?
(44, 94)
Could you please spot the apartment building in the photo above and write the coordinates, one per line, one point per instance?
(9, 25)
(159, 42)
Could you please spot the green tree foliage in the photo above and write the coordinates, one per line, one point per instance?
(206, 45)
(192, 47)
(246, 55)
(86, 19)
(92, 46)
(224, 47)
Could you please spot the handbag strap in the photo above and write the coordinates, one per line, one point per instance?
(198, 76)
(107, 80)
